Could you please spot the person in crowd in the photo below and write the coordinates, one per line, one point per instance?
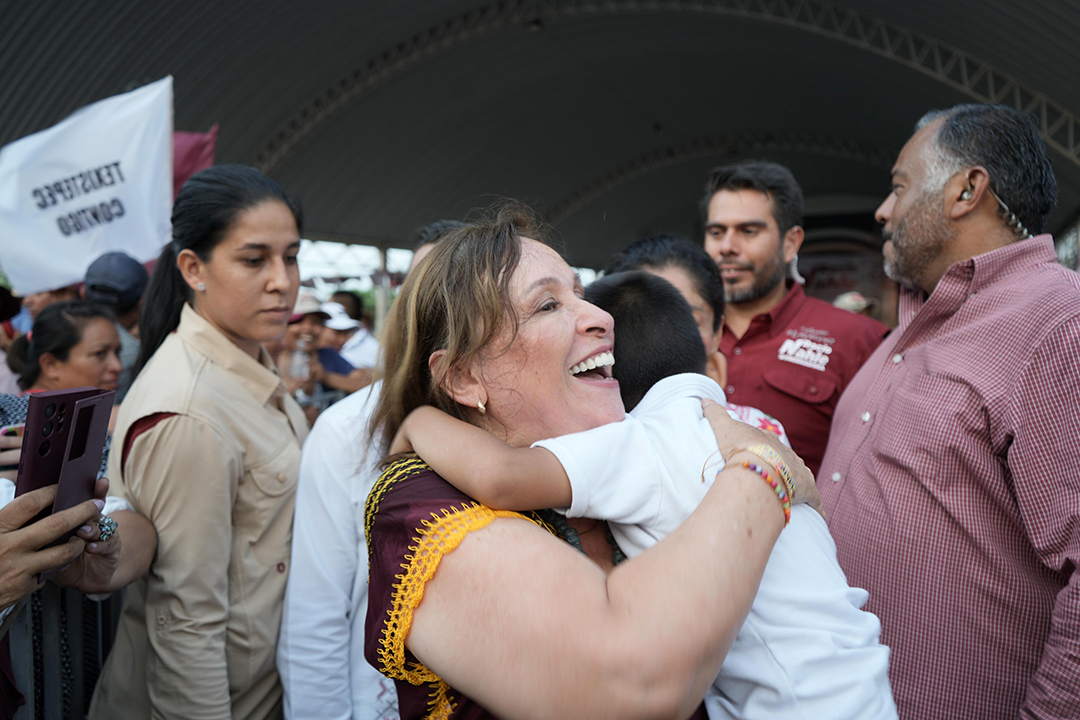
(326, 365)
(72, 344)
(690, 269)
(295, 353)
(806, 649)
(856, 302)
(10, 306)
(351, 303)
(321, 649)
(208, 446)
(337, 328)
(950, 479)
(360, 347)
(694, 274)
(118, 281)
(488, 328)
(34, 303)
(788, 354)
(427, 237)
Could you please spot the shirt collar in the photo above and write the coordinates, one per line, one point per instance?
(356, 338)
(783, 313)
(676, 387)
(258, 376)
(969, 276)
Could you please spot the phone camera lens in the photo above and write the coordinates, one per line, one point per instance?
(50, 410)
(47, 429)
(43, 449)
(63, 407)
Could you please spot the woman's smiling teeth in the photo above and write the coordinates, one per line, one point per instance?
(604, 359)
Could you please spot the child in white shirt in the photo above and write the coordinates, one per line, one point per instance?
(807, 650)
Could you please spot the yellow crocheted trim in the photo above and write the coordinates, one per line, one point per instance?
(438, 537)
(395, 473)
(440, 706)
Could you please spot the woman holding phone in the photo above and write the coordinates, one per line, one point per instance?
(73, 344)
(208, 448)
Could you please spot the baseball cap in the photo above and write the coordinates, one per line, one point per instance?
(306, 304)
(116, 279)
(338, 318)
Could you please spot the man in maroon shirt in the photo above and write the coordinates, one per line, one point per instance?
(950, 479)
(788, 354)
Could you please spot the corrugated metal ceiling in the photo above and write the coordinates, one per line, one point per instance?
(494, 106)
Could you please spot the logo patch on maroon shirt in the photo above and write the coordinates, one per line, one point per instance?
(808, 347)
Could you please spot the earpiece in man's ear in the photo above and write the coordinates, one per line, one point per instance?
(967, 194)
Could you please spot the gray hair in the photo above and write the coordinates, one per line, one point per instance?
(1007, 143)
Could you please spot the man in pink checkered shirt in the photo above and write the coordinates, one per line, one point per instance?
(952, 476)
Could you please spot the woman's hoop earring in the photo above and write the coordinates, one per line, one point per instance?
(480, 406)
(201, 287)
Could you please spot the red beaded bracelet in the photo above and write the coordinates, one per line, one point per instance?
(779, 488)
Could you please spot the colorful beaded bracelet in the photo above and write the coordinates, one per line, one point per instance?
(772, 457)
(778, 488)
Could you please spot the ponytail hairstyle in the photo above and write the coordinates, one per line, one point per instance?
(207, 206)
(57, 329)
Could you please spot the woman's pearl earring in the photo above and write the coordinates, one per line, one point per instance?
(480, 406)
(201, 287)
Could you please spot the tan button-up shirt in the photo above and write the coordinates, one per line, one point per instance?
(217, 478)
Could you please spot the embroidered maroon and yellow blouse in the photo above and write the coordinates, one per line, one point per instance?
(414, 518)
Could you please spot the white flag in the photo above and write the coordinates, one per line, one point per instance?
(100, 180)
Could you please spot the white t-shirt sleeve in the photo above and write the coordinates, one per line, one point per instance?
(613, 470)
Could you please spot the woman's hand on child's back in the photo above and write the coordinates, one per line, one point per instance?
(733, 436)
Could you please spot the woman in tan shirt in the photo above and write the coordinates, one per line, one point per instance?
(207, 446)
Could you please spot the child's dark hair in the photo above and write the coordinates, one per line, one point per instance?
(57, 329)
(206, 207)
(661, 251)
(655, 333)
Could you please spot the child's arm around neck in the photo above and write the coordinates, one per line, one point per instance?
(481, 465)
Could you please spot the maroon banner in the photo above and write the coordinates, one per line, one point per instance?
(192, 152)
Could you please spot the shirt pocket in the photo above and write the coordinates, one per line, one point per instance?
(814, 389)
(277, 476)
(271, 496)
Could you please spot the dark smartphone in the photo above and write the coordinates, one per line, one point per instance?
(62, 443)
(82, 456)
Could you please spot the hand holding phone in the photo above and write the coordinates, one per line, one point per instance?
(26, 547)
(62, 444)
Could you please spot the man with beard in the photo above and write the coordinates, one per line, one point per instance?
(950, 481)
(788, 354)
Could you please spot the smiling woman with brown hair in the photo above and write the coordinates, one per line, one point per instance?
(208, 448)
(479, 613)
